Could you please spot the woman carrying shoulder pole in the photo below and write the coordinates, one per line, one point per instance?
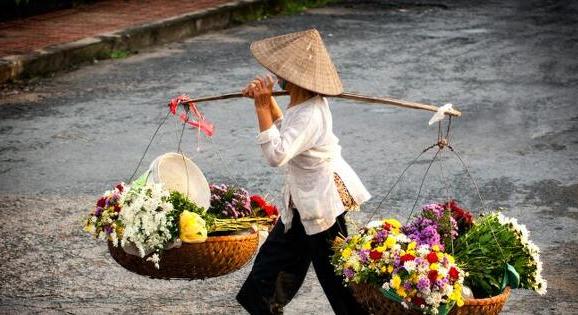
(319, 185)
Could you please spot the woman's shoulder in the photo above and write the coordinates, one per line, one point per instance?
(309, 106)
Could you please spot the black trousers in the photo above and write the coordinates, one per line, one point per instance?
(282, 263)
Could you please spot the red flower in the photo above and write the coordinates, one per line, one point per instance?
(418, 301)
(432, 257)
(459, 214)
(454, 273)
(270, 210)
(101, 202)
(406, 257)
(120, 187)
(432, 275)
(375, 255)
(386, 226)
(258, 201)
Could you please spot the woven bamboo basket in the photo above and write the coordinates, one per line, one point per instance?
(376, 303)
(489, 306)
(217, 256)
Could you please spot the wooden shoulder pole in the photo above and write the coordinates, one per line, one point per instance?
(349, 96)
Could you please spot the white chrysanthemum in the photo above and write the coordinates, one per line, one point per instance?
(374, 224)
(423, 250)
(146, 227)
(402, 238)
(154, 258)
(541, 285)
(409, 266)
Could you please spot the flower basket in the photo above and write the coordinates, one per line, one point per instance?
(488, 306)
(217, 256)
(374, 302)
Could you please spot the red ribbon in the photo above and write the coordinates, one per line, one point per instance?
(199, 121)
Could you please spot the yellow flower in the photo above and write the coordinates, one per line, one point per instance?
(346, 253)
(192, 227)
(451, 259)
(395, 282)
(457, 294)
(434, 266)
(436, 248)
(401, 292)
(390, 268)
(390, 241)
(366, 245)
(411, 246)
(380, 249)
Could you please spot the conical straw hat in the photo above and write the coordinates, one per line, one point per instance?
(179, 173)
(300, 58)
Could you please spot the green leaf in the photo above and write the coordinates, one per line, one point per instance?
(511, 277)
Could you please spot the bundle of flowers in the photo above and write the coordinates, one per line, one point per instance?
(261, 207)
(234, 209)
(494, 250)
(419, 276)
(494, 243)
(103, 220)
(434, 226)
(463, 217)
(229, 201)
(146, 218)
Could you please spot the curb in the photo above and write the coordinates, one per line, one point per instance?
(58, 57)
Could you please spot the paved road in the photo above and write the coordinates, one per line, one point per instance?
(510, 67)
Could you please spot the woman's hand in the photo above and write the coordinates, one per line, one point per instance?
(261, 90)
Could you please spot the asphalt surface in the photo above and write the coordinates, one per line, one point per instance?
(510, 67)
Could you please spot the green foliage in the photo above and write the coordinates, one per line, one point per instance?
(484, 251)
(290, 7)
(119, 54)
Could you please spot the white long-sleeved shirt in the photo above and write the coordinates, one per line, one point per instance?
(303, 144)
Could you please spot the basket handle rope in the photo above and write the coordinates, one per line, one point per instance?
(442, 144)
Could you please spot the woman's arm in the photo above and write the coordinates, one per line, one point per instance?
(276, 112)
(264, 102)
(261, 90)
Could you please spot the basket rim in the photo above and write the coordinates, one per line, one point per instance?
(490, 300)
(229, 238)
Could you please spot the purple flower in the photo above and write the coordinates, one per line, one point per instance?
(108, 229)
(423, 284)
(407, 286)
(423, 231)
(98, 211)
(363, 256)
(380, 236)
(349, 273)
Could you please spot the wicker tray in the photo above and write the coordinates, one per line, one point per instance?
(217, 256)
(374, 302)
(489, 306)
